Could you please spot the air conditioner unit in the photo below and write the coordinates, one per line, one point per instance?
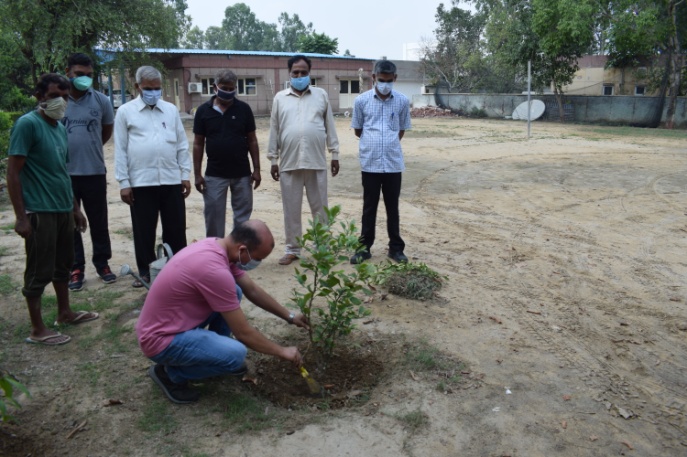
(195, 88)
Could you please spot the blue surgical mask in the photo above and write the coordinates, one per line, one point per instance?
(251, 265)
(384, 88)
(300, 83)
(82, 82)
(151, 96)
(225, 94)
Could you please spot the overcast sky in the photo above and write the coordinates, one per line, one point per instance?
(367, 28)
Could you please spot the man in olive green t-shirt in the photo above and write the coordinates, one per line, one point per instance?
(41, 195)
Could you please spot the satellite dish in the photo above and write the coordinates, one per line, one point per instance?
(536, 110)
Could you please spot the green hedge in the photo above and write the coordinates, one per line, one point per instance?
(6, 123)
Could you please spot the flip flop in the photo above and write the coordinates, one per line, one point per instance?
(138, 284)
(81, 317)
(50, 340)
(288, 259)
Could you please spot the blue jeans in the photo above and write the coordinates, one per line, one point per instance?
(199, 353)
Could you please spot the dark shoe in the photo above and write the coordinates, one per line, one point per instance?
(398, 257)
(240, 372)
(106, 275)
(178, 393)
(360, 257)
(76, 280)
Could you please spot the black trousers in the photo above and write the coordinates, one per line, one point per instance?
(91, 191)
(389, 185)
(149, 202)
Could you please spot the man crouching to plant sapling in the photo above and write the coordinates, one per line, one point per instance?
(193, 309)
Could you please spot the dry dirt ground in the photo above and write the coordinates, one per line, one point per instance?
(564, 303)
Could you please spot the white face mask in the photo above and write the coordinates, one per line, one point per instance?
(384, 88)
(54, 108)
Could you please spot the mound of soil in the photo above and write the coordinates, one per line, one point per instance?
(346, 379)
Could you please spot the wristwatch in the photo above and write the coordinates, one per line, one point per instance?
(291, 317)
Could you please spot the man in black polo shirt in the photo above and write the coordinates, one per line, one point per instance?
(225, 127)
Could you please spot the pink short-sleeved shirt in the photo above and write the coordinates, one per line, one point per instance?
(196, 282)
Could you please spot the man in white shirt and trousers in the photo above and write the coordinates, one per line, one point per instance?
(152, 166)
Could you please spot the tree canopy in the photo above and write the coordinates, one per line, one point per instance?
(488, 49)
(241, 30)
(292, 30)
(459, 56)
(653, 32)
(318, 43)
(45, 32)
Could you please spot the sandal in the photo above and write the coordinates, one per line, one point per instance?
(138, 284)
(79, 318)
(49, 340)
(288, 259)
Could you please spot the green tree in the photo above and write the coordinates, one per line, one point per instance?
(650, 31)
(241, 30)
(244, 31)
(47, 31)
(511, 40)
(458, 54)
(194, 39)
(291, 30)
(215, 38)
(318, 43)
(565, 31)
(551, 34)
(15, 87)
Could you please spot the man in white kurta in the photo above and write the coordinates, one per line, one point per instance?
(301, 132)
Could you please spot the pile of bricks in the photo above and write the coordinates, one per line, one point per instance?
(431, 111)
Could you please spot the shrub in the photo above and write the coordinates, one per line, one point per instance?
(478, 112)
(410, 280)
(323, 279)
(15, 100)
(5, 127)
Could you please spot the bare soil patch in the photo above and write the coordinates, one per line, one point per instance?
(560, 330)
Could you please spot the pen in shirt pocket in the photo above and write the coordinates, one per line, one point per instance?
(164, 126)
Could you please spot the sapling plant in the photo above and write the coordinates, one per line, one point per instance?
(8, 389)
(330, 295)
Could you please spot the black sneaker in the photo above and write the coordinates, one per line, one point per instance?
(398, 257)
(76, 280)
(106, 275)
(178, 393)
(240, 372)
(360, 257)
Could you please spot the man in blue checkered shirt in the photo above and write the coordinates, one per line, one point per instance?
(380, 118)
